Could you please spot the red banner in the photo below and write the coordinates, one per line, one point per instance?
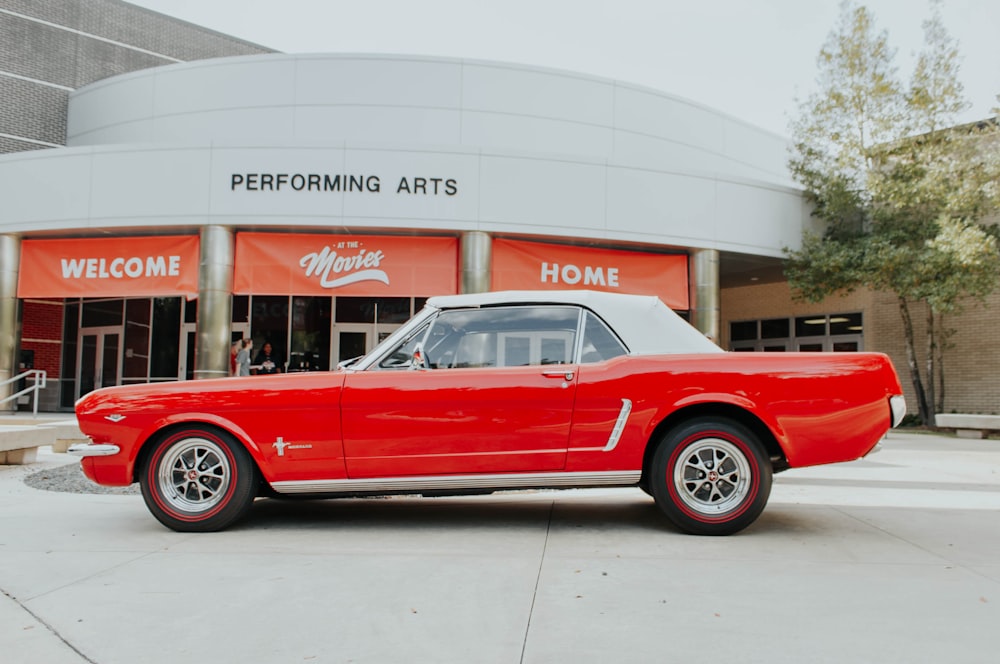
(369, 265)
(536, 266)
(109, 267)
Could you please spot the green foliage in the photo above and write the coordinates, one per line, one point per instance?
(899, 187)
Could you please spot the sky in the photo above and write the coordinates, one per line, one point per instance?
(751, 59)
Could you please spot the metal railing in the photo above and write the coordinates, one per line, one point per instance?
(39, 377)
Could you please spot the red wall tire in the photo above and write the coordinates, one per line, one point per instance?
(198, 479)
(711, 476)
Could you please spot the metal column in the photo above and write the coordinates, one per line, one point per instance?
(215, 302)
(10, 259)
(477, 259)
(703, 285)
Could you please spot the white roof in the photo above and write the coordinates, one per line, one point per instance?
(644, 323)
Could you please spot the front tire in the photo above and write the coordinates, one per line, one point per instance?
(711, 476)
(198, 479)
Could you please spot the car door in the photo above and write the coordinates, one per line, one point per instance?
(493, 393)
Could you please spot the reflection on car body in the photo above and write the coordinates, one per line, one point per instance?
(501, 391)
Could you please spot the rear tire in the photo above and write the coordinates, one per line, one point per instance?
(198, 479)
(711, 476)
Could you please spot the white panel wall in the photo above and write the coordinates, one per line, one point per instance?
(532, 151)
(45, 189)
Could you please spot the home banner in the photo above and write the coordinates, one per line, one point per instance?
(109, 267)
(368, 265)
(536, 266)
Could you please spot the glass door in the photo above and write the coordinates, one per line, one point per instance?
(98, 359)
(351, 340)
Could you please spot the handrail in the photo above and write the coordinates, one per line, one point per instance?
(35, 387)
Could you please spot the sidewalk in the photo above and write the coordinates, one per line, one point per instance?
(888, 559)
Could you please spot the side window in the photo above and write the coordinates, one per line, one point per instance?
(400, 356)
(599, 343)
(502, 337)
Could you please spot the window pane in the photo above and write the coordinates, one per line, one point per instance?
(598, 341)
(846, 324)
(241, 308)
(101, 313)
(269, 324)
(511, 336)
(71, 329)
(362, 309)
(743, 330)
(310, 334)
(166, 337)
(810, 326)
(137, 330)
(191, 311)
(774, 328)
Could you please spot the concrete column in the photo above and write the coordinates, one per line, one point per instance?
(477, 262)
(703, 285)
(215, 302)
(10, 259)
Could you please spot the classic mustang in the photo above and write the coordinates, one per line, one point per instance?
(494, 391)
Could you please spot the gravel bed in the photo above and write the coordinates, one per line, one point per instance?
(70, 479)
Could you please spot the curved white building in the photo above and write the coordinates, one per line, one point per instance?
(257, 187)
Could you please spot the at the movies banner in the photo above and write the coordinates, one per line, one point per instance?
(109, 267)
(535, 266)
(367, 265)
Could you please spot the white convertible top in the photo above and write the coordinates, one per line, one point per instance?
(643, 322)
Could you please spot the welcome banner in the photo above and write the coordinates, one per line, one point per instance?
(536, 266)
(368, 265)
(109, 267)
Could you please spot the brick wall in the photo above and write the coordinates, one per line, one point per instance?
(971, 361)
(49, 48)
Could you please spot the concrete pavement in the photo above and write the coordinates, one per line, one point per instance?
(895, 558)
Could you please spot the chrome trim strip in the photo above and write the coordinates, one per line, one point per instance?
(616, 431)
(93, 449)
(459, 482)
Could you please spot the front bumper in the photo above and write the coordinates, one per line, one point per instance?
(93, 449)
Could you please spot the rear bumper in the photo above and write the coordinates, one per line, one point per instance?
(897, 405)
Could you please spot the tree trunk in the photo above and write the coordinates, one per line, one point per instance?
(911, 361)
(932, 353)
(943, 335)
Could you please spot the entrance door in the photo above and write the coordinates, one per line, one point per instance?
(353, 339)
(98, 359)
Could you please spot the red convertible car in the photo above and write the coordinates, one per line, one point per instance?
(495, 391)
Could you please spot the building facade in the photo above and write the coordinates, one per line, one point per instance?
(169, 190)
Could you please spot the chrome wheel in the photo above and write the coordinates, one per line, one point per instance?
(712, 476)
(194, 475)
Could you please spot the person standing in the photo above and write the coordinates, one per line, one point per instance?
(233, 352)
(243, 358)
(267, 360)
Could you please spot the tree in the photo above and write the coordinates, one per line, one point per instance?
(900, 188)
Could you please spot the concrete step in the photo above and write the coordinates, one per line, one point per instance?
(21, 436)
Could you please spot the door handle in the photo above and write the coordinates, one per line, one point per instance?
(565, 375)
